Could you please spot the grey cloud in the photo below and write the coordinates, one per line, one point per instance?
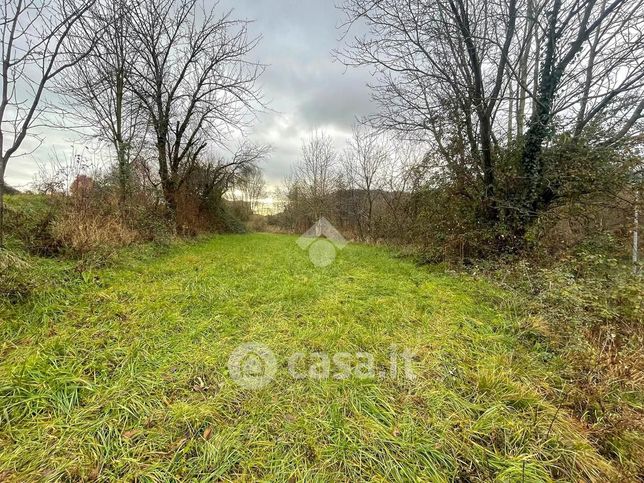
(338, 102)
(305, 87)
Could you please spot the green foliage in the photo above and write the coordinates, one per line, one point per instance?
(583, 184)
(589, 308)
(227, 220)
(15, 280)
(575, 168)
(28, 223)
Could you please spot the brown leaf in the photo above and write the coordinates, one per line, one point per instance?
(129, 434)
(95, 473)
(207, 433)
(200, 385)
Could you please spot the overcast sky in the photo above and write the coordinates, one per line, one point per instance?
(305, 88)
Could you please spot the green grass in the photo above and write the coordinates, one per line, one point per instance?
(25, 215)
(121, 373)
(25, 207)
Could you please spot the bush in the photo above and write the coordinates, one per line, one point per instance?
(257, 223)
(16, 282)
(589, 308)
(226, 221)
(28, 222)
(81, 233)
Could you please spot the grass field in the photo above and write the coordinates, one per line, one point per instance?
(122, 373)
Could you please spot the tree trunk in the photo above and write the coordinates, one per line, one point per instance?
(124, 177)
(535, 72)
(484, 109)
(636, 230)
(167, 181)
(540, 121)
(592, 54)
(523, 71)
(170, 195)
(121, 146)
(2, 170)
(370, 214)
(489, 204)
(510, 110)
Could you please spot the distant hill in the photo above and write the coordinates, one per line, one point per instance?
(8, 190)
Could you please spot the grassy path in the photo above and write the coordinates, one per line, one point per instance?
(122, 373)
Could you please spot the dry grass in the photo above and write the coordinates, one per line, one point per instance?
(84, 233)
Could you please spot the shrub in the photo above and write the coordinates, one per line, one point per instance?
(589, 308)
(16, 282)
(81, 233)
(28, 222)
(257, 223)
(226, 221)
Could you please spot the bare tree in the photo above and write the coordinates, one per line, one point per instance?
(453, 73)
(403, 176)
(612, 38)
(316, 174)
(364, 161)
(99, 90)
(57, 174)
(35, 50)
(216, 175)
(194, 80)
(433, 57)
(252, 187)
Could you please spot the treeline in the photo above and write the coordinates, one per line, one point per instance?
(528, 114)
(366, 190)
(382, 189)
(161, 83)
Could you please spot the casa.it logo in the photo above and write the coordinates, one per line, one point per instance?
(322, 242)
(252, 365)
